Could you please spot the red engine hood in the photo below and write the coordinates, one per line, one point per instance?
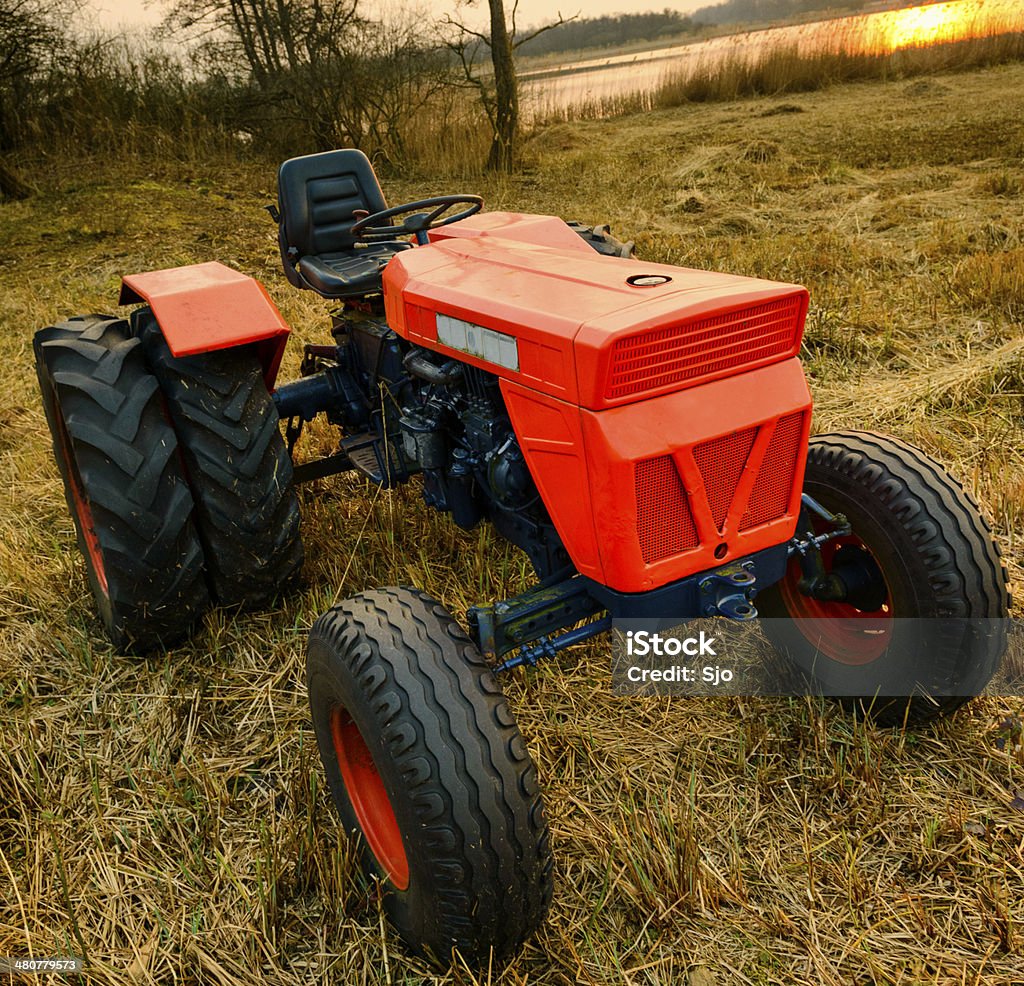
(582, 331)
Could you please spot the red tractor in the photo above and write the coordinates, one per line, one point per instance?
(641, 431)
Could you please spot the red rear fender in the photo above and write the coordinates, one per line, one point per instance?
(204, 307)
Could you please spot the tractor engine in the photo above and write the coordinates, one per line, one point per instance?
(404, 411)
(459, 435)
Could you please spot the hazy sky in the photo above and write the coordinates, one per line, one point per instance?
(112, 13)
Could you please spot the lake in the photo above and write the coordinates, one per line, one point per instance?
(593, 80)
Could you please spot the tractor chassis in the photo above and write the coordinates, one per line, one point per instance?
(545, 620)
(564, 608)
(549, 618)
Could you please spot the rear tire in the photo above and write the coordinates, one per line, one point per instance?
(426, 764)
(123, 481)
(600, 238)
(237, 465)
(921, 537)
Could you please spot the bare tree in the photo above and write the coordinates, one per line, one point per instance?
(500, 94)
(267, 38)
(30, 36)
(320, 68)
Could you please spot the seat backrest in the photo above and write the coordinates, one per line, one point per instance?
(317, 195)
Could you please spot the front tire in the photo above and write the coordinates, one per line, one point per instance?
(931, 591)
(426, 765)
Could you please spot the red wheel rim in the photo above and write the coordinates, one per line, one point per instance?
(839, 630)
(369, 799)
(83, 511)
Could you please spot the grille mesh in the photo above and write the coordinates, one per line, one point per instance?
(770, 497)
(721, 463)
(683, 353)
(664, 523)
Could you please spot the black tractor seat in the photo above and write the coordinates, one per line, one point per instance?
(319, 197)
(350, 274)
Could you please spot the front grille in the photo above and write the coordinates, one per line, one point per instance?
(721, 463)
(689, 352)
(664, 524)
(773, 489)
(664, 519)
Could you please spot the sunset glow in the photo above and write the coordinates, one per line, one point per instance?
(935, 24)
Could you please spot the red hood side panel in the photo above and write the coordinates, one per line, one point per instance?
(550, 434)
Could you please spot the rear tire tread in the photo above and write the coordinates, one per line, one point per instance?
(238, 467)
(93, 377)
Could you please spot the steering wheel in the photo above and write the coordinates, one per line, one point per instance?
(375, 228)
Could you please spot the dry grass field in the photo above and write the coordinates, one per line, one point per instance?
(167, 818)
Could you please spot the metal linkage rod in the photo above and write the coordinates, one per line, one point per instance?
(532, 654)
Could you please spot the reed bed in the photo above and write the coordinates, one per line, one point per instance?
(775, 69)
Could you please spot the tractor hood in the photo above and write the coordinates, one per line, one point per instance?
(591, 330)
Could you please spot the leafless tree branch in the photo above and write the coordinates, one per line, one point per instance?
(541, 30)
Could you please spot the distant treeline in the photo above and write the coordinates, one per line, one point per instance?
(760, 11)
(611, 30)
